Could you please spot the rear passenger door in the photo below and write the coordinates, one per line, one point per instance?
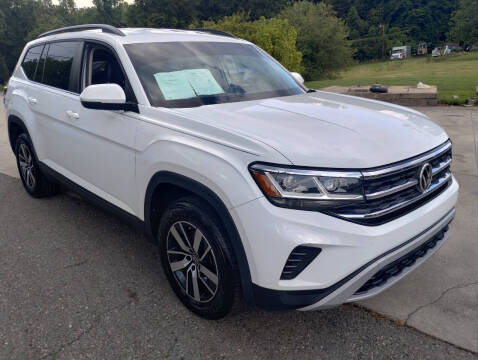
(54, 91)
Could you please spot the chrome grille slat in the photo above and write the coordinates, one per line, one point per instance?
(441, 181)
(392, 191)
(408, 164)
(379, 194)
(441, 167)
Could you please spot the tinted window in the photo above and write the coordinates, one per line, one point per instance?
(188, 74)
(41, 65)
(30, 61)
(59, 62)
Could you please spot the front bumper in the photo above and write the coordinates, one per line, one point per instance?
(351, 254)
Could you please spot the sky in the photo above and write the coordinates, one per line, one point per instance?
(86, 3)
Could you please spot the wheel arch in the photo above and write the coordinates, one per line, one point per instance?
(166, 186)
(15, 126)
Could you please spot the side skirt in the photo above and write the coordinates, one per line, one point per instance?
(91, 198)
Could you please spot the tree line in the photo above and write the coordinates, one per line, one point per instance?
(317, 38)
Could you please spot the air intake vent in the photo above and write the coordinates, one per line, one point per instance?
(398, 266)
(298, 260)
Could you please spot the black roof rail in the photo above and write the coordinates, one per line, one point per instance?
(215, 32)
(105, 28)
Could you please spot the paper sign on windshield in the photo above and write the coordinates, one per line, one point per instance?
(174, 85)
(203, 82)
(186, 84)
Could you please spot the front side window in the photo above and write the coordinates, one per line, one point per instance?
(189, 74)
(101, 66)
(30, 62)
(59, 63)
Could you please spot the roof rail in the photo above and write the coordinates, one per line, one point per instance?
(105, 28)
(215, 32)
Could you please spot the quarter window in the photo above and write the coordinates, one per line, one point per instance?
(59, 62)
(30, 62)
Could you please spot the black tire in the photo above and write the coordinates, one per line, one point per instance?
(189, 215)
(28, 169)
(379, 89)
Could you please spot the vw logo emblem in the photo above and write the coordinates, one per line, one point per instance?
(425, 178)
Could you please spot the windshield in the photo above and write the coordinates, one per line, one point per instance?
(190, 74)
(397, 51)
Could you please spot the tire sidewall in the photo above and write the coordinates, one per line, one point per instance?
(203, 218)
(23, 139)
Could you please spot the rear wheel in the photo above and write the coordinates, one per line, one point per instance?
(34, 181)
(197, 258)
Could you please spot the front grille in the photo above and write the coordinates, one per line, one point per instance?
(398, 266)
(392, 191)
(298, 260)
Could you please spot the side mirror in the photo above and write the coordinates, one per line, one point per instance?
(298, 77)
(106, 97)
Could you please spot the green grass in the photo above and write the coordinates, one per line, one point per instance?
(455, 75)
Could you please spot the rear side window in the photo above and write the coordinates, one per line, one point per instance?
(59, 63)
(30, 62)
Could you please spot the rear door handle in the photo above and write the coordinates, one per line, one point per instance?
(32, 100)
(73, 115)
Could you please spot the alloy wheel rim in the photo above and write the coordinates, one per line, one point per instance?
(192, 261)
(27, 167)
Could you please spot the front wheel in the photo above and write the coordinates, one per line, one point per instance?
(197, 258)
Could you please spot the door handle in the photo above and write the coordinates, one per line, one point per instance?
(32, 100)
(73, 115)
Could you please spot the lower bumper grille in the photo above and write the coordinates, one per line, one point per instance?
(399, 265)
(298, 260)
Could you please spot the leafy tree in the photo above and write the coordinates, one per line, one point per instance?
(217, 9)
(276, 36)
(163, 13)
(322, 38)
(109, 11)
(4, 72)
(464, 23)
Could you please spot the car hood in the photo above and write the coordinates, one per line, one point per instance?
(323, 129)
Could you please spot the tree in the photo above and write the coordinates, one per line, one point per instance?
(464, 23)
(109, 11)
(163, 13)
(322, 38)
(4, 72)
(276, 36)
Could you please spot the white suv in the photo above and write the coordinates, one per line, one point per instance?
(251, 183)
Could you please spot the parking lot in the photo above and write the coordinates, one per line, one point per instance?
(78, 283)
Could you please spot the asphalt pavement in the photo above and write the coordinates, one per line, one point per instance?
(78, 283)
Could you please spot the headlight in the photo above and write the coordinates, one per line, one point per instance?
(308, 189)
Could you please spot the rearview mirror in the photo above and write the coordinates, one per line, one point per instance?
(106, 97)
(298, 77)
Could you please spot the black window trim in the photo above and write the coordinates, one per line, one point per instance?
(115, 54)
(24, 58)
(46, 47)
(74, 68)
(79, 63)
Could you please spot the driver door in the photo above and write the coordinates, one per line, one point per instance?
(102, 150)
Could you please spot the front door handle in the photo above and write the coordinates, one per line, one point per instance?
(32, 100)
(73, 115)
